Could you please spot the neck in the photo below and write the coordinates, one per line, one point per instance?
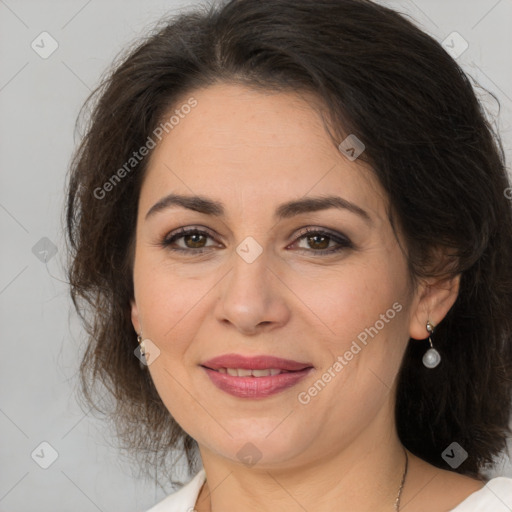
(365, 475)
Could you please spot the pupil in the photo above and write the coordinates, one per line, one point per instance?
(195, 242)
(324, 238)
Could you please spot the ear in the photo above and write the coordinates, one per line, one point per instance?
(433, 300)
(135, 316)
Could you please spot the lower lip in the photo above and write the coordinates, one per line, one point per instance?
(256, 387)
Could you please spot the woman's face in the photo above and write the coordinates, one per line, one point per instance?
(254, 282)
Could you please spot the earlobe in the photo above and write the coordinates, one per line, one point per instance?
(433, 301)
(135, 316)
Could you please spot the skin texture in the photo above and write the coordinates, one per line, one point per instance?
(252, 151)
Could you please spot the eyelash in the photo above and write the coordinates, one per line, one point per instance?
(343, 241)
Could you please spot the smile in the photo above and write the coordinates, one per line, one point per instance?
(255, 384)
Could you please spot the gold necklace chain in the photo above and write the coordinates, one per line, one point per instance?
(397, 502)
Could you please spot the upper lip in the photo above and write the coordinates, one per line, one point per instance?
(262, 362)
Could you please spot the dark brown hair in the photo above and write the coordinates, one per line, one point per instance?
(429, 144)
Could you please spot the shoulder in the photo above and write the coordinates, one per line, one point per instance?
(430, 488)
(183, 499)
(495, 496)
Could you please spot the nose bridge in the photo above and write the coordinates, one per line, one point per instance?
(249, 278)
(251, 294)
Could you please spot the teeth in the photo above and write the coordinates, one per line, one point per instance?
(265, 373)
(242, 372)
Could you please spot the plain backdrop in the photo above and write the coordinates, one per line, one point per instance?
(41, 337)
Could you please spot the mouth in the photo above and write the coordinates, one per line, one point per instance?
(254, 377)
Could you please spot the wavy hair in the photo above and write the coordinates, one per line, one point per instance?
(429, 143)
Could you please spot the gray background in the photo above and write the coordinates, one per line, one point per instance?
(39, 100)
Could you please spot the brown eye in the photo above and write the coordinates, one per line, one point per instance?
(318, 242)
(194, 241)
(191, 240)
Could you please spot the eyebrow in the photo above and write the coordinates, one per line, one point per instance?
(286, 210)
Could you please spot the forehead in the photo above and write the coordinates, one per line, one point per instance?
(264, 146)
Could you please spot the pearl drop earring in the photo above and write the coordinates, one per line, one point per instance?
(431, 358)
(143, 356)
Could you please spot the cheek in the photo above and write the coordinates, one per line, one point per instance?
(346, 302)
(360, 322)
(169, 306)
(363, 314)
(165, 301)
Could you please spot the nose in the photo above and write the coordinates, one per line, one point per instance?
(253, 298)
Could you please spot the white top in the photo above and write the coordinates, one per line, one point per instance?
(496, 496)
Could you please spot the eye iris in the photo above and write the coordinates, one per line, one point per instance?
(324, 244)
(195, 242)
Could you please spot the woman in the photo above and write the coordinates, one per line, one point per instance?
(299, 211)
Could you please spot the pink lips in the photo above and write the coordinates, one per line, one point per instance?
(255, 387)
